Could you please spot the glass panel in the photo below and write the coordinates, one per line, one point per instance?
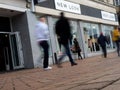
(117, 2)
(107, 31)
(49, 42)
(14, 50)
(95, 32)
(19, 48)
(91, 32)
(74, 32)
(87, 37)
(56, 38)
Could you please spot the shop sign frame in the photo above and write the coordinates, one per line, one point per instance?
(67, 6)
(108, 16)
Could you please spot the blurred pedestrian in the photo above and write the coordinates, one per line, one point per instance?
(42, 34)
(116, 39)
(77, 48)
(58, 38)
(102, 40)
(62, 29)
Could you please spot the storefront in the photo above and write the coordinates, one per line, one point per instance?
(86, 22)
(19, 48)
(11, 56)
(87, 36)
(15, 47)
(91, 32)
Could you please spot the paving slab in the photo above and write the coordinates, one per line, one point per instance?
(112, 87)
(94, 73)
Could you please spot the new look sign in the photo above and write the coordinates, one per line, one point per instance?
(67, 6)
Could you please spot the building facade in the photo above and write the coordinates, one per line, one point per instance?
(15, 44)
(87, 19)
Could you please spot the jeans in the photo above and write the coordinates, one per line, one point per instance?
(45, 46)
(79, 54)
(67, 51)
(104, 50)
(118, 47)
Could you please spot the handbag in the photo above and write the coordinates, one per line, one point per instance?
(73, 49)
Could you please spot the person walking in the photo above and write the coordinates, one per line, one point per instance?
(42, 34)
(116, 39)
(102, 40)
(62, 29)
(77, 48)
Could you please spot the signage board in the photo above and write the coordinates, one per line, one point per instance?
(67, 6)
(108, 16)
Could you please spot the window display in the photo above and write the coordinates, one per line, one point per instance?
(91, 33)
(107, 31)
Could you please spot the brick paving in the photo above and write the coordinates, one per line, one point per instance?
(94, 73)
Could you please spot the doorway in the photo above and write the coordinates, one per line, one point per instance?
(11, 57)
(91, 34)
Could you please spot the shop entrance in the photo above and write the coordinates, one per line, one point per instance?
(11, 57)
(91, 34)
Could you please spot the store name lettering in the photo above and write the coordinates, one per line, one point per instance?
(67, 6)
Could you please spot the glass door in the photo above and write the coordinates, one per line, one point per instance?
(107, 31)
(16, 50)
(94, 36)
(88, 43)
(91, 33)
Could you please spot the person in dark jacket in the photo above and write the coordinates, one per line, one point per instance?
(102, 40)
(77, 48)
(62, 29)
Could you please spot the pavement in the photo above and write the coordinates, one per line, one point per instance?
(93, 73)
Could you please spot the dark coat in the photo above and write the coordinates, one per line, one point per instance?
(102, 40)
(77, 47)
(62, 29)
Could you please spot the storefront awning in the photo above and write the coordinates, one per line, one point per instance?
(8, 10)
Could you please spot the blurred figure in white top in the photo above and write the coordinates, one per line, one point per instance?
(42, 34)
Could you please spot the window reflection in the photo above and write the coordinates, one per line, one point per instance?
(91, 32)
(107, 30)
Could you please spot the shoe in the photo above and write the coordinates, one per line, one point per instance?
(80, 58)
(73, 64)
(48, 68)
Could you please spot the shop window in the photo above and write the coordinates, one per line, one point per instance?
(107, 31)
(58, 46)
(91, 33)
(74, 32)
(106, 1)
(117, 2)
